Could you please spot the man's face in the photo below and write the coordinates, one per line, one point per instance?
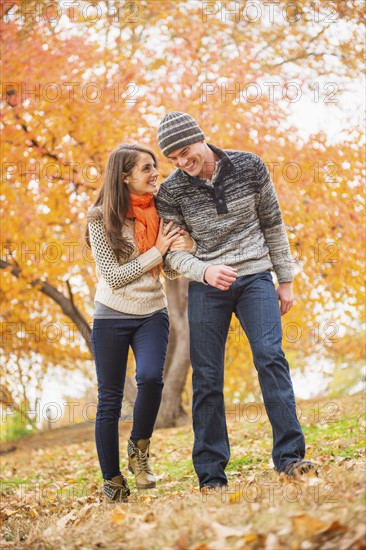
(191, 158)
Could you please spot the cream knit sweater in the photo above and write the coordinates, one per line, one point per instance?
(127, 286)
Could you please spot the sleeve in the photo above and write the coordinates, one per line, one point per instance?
(272, 225)
(113, 273)
(184, 262)
(170, 273)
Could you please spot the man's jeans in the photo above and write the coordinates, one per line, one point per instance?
(253, 299)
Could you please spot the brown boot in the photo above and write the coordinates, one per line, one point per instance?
(138, 465)
(116, 489)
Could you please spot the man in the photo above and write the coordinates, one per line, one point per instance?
(227, 202)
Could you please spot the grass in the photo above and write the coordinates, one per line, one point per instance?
(51, 491)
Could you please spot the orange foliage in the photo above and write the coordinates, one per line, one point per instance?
(88, 85)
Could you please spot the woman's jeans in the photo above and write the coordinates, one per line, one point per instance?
(253, 299)
(111, 339)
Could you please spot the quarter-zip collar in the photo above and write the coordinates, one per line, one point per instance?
(217, 191)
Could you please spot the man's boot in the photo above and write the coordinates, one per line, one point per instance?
(138, 464)
(299, 467)
(116, 489)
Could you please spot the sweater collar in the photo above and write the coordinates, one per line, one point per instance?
(226, 166)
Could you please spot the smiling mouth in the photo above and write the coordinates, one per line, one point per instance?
(190, 166)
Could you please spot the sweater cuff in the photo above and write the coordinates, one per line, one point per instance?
(150, 259)
(201, 274)
(286, 280)
(284, 276)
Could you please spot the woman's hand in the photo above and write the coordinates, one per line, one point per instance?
(183, 243)
(166, 236)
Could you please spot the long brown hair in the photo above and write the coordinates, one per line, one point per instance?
(113, 198)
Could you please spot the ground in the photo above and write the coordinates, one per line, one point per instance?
(51, 497)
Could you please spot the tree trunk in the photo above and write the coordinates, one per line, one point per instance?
(171, 412)
(177, 362)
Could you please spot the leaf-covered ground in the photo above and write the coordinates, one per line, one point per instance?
(51, 489)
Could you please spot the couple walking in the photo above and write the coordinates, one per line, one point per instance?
(216, 220)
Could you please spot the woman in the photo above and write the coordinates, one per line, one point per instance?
(128, 245)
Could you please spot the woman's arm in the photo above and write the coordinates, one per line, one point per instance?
(113, 273)
(170, 273)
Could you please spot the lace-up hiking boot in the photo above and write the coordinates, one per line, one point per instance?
(115, 490)
(300, 467)
(138, 456)
(214, 488)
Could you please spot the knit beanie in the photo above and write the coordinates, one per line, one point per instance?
(177, 130)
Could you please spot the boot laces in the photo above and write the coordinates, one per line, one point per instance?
(116, 491)
(142, 460)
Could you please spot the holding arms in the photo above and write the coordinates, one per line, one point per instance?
(118, 275)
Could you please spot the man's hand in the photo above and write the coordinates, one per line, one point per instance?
(220, 276)
(286, 297)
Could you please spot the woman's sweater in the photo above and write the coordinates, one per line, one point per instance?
(126, 285)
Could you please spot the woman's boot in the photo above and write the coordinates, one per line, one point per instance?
(138, 456)
(116, 489)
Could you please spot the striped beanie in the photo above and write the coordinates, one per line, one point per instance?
(177, 130)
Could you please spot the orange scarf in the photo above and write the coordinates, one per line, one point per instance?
(142, 208)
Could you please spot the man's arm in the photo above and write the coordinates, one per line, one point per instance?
(218, 276)
(272, 225)
(183, 262)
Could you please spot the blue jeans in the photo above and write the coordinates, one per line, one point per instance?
(111, 339)
(254, 301)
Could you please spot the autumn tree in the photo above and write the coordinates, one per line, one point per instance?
(97, 76)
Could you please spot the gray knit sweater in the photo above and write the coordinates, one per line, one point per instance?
(237, 221)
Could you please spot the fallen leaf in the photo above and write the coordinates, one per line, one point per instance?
(305, 525)
(150, 516)
(84, 513)
(7, 513)
(33, 513)
(147, 498)
(118, 516)
(358, 541)
(223, 531)
(252, 537)
(234, 498)
(335, 527)
(272, 542)
(182, 543)
(66, 520)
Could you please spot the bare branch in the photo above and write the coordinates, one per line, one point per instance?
(67, 305)
(302, 56)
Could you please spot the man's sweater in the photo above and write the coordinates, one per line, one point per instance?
(237, 221)
(127, 286)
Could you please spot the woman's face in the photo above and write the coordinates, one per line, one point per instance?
(144, 176)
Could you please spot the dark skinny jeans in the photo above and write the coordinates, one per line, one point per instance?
(111, 338)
